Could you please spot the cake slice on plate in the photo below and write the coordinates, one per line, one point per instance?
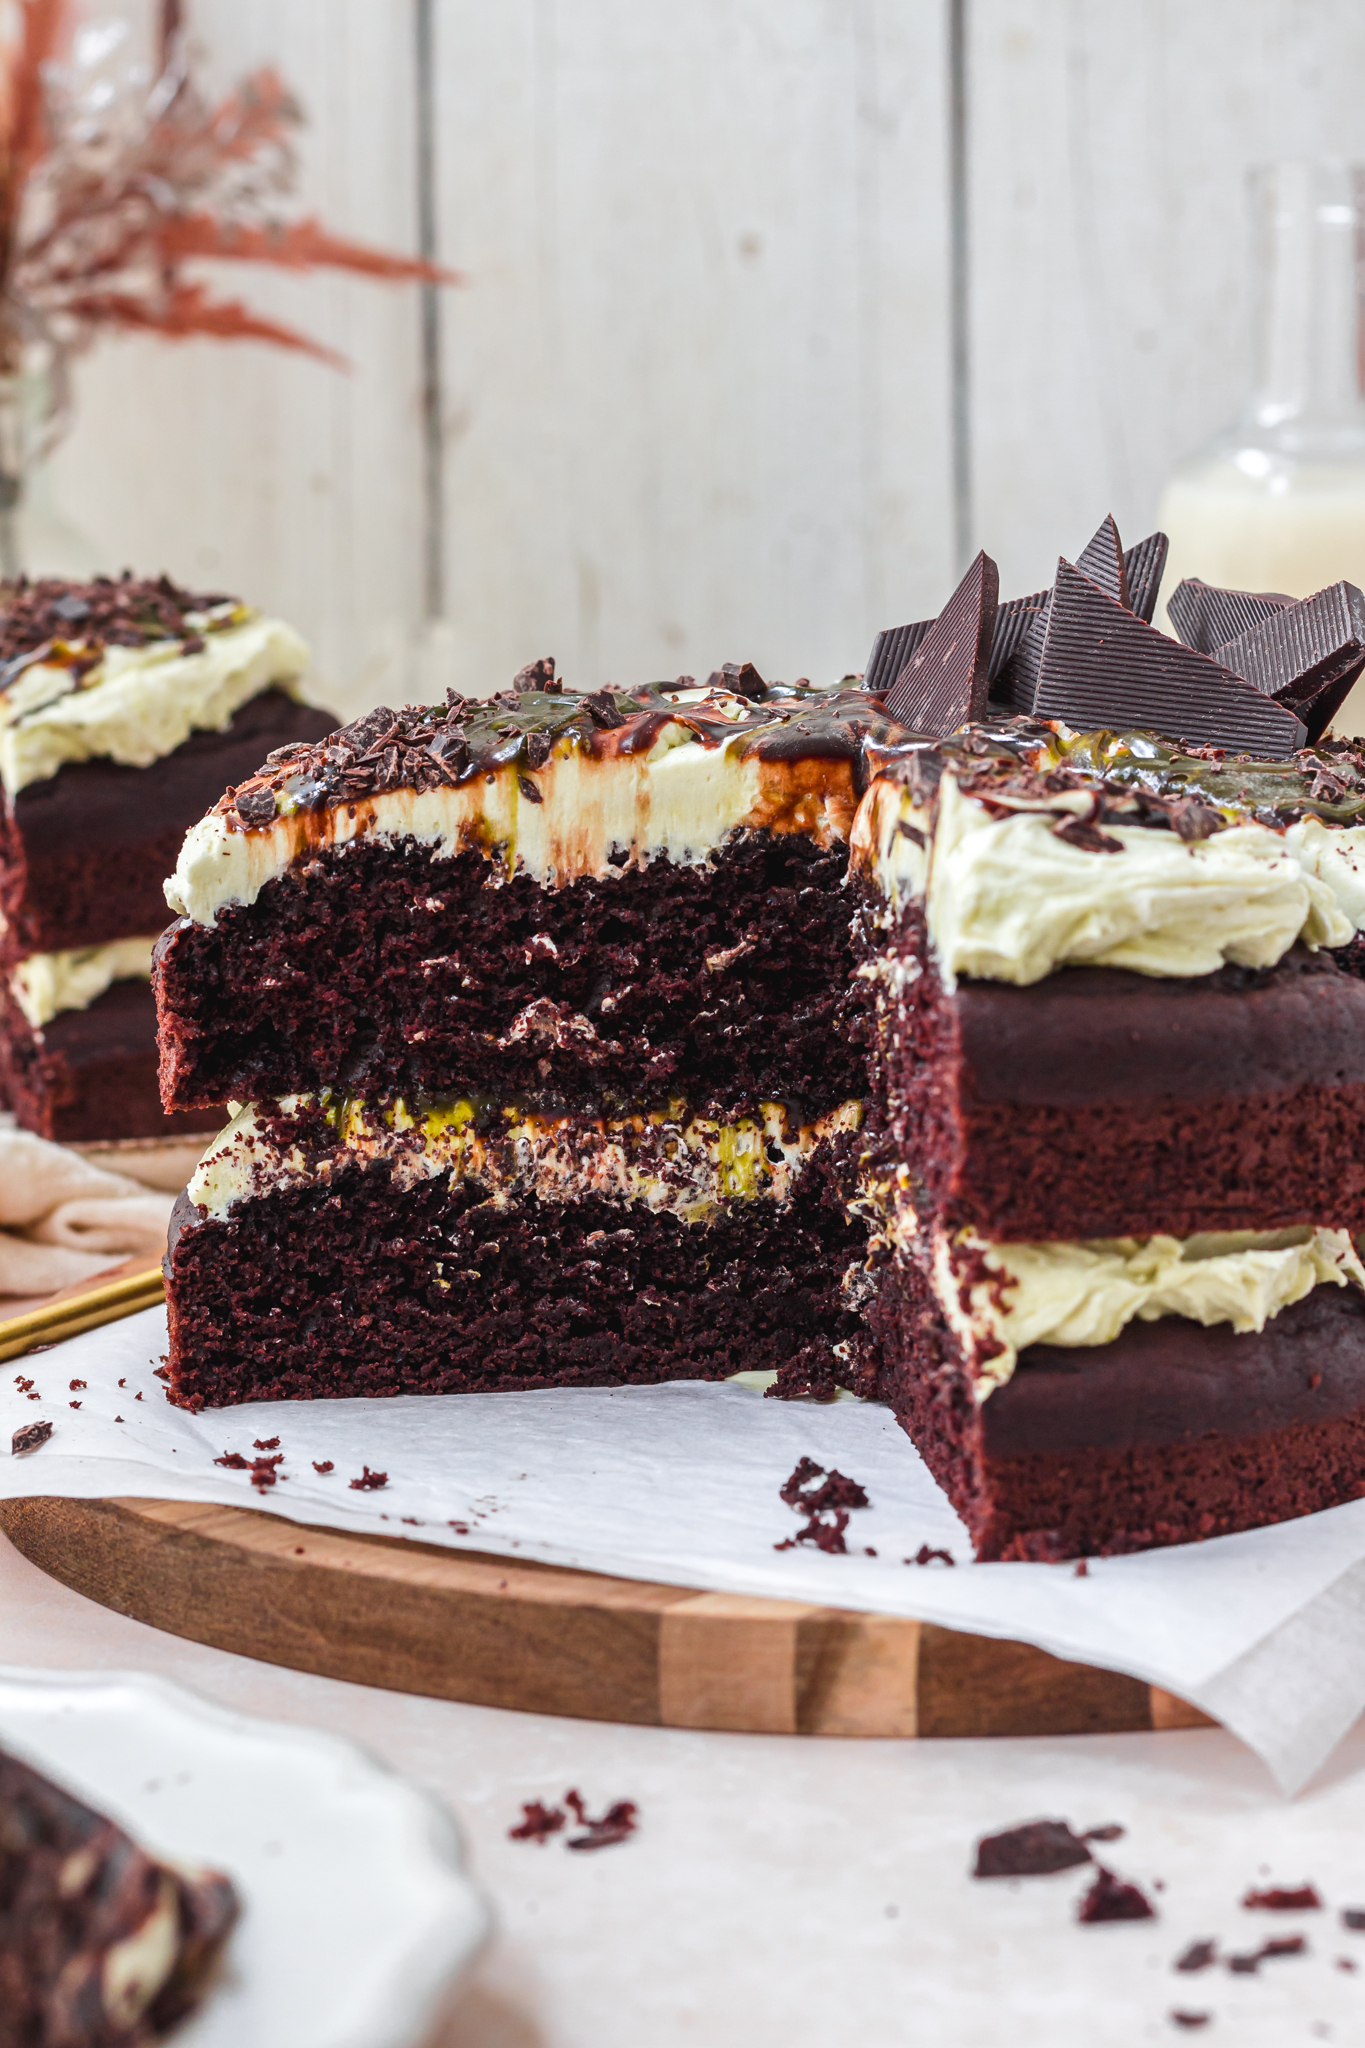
(101, 1945)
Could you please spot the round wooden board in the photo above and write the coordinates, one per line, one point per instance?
(463, 1626)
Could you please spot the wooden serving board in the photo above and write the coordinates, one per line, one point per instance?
(465, 1626)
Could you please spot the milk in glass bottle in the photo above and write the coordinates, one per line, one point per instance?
(1278, 501)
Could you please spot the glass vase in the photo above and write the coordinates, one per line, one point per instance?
(1277, 501)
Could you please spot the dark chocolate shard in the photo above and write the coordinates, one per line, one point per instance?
(1034, 1850)
(1101, 559)
(1103, 669)
(30, 1437)
(1206, 616)
(1305, 655)
(1144, 566)
(743, 678)
(1016, 647)
(943, 685)
(890, 652)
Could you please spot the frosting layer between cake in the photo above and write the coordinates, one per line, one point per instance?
(665, 1158)
(46, 983)
(1001, 1298)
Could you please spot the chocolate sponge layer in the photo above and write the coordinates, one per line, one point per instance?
(386, 970)
(84, 854)
(1101, 1103)
(361, 1286)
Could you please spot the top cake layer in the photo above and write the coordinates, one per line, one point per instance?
(548, 783)
(126, 670)
(1032, 848)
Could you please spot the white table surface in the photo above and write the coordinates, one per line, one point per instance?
(814, 1894)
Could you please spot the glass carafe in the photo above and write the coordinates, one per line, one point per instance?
(1277, 502)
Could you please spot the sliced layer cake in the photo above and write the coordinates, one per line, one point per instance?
(126, 708)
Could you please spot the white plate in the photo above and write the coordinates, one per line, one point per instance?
(357, 1914)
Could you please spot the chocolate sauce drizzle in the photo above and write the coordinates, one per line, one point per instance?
(424, 747)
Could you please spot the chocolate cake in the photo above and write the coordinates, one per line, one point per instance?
(101, 1946)
(1112, 1158)
(558, 1077)
(126, 707)
(574, 1048)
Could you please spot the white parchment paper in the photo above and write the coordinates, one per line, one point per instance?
(679, 1483)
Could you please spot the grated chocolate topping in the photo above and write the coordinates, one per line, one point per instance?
(71, 624)
(423, 747)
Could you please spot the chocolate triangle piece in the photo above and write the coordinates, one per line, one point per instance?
(1101, 559)
(1104, 669)
(1013, 676)
(943, 685)
(1207, 617)
(890, 652)
(1144, 566)
(1296, 654)
(1318, 715)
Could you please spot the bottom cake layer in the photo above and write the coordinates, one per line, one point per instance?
(363, 1285)
(1172, 1433)
(89, 1075)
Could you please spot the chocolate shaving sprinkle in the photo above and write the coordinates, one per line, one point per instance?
(1034, 1850)
(75, 622)
(529, 790)
(31, 1437)
(538, 675)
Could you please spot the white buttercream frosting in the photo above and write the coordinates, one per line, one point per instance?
(676, 802)
(45, 984)
(664, 1159)
(1007, 899)
(141, 703)
(1085, 1294)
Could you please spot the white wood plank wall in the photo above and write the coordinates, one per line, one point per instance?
(697, 392)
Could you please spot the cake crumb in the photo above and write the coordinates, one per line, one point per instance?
(368, 1482)
(1112, 1831)
(1198, 1956)
(1082, 1570)
(1033, 1850)
(1190, 2020)
(1354, 1918)
(826, 1506)
(924, 1555)
(1302, 1898)
(325, 1466)
(1346, 1963)
(1112, 1898)
(78, 1386)
(266, 1443)
(73, 1404)
(538, 1822)
(615, 1825)
(31, 1437)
